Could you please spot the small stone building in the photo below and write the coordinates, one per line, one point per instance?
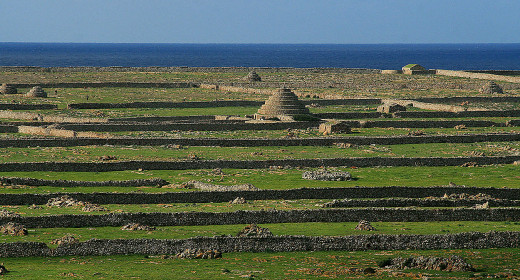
(36, 91)
(253, 77)
(8, 89)
(389, 108)
(283, 104)
(334, 127)
(413, 69)
(490, 88)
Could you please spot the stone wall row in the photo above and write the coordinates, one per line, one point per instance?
(5, 106)
(417, 202)
(105, 84)
(221, 103)
(185, 69)
(267, 217)
(321, 102)
(189, 126)
(106, 247)
(251, 164)
(241, 125)
(257, 142)
(71, 183)
(290, 194)
(473, 75)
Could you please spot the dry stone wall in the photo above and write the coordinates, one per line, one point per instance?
(6, 114)
(105, 247)
(258, 142)
(464, 114)
(71, 183)
(46, 131)
(252, 164)
(266, 217)
(302, 193)
(421, 202)
(187, 126)
(186, 69)
(106, 84)
(4, 106)
(483, 76)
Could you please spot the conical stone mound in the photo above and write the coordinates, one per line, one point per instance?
(253, 77)
(36, 91)
(282, 103)
(8, 89)
(490, 88)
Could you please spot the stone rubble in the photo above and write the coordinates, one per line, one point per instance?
(13, 229)
(452, 263)
(67, 201)
(253, 230)
(365, 225)
(8, 214)
(67, 239)
(199, 254)
(219, 188)
(238, 200)
(327, 176)
(137, 226)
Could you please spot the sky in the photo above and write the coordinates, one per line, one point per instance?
(260, 21)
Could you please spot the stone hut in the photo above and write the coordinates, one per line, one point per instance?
(389, 108)
(36, 91)
(283, 104)
(491, 88)
(413, 69)
(8, 89)
(334, 127)
(253, 77)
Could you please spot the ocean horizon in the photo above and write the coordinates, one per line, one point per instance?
(375, 56)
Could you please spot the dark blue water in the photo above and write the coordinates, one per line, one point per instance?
(384, 56)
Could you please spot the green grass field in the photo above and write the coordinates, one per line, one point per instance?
(491, 263)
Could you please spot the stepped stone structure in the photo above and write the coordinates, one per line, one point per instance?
(8, 89)
(36, 91)
(490, 88)
(253, 77)
(283, 104)
(389, 108)
(412, 69)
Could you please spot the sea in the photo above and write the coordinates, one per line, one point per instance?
(375, 56)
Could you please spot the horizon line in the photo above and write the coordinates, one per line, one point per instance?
(188, 43)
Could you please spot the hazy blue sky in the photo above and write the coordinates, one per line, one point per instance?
(261, 21)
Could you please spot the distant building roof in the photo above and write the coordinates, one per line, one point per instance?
(413, 66)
